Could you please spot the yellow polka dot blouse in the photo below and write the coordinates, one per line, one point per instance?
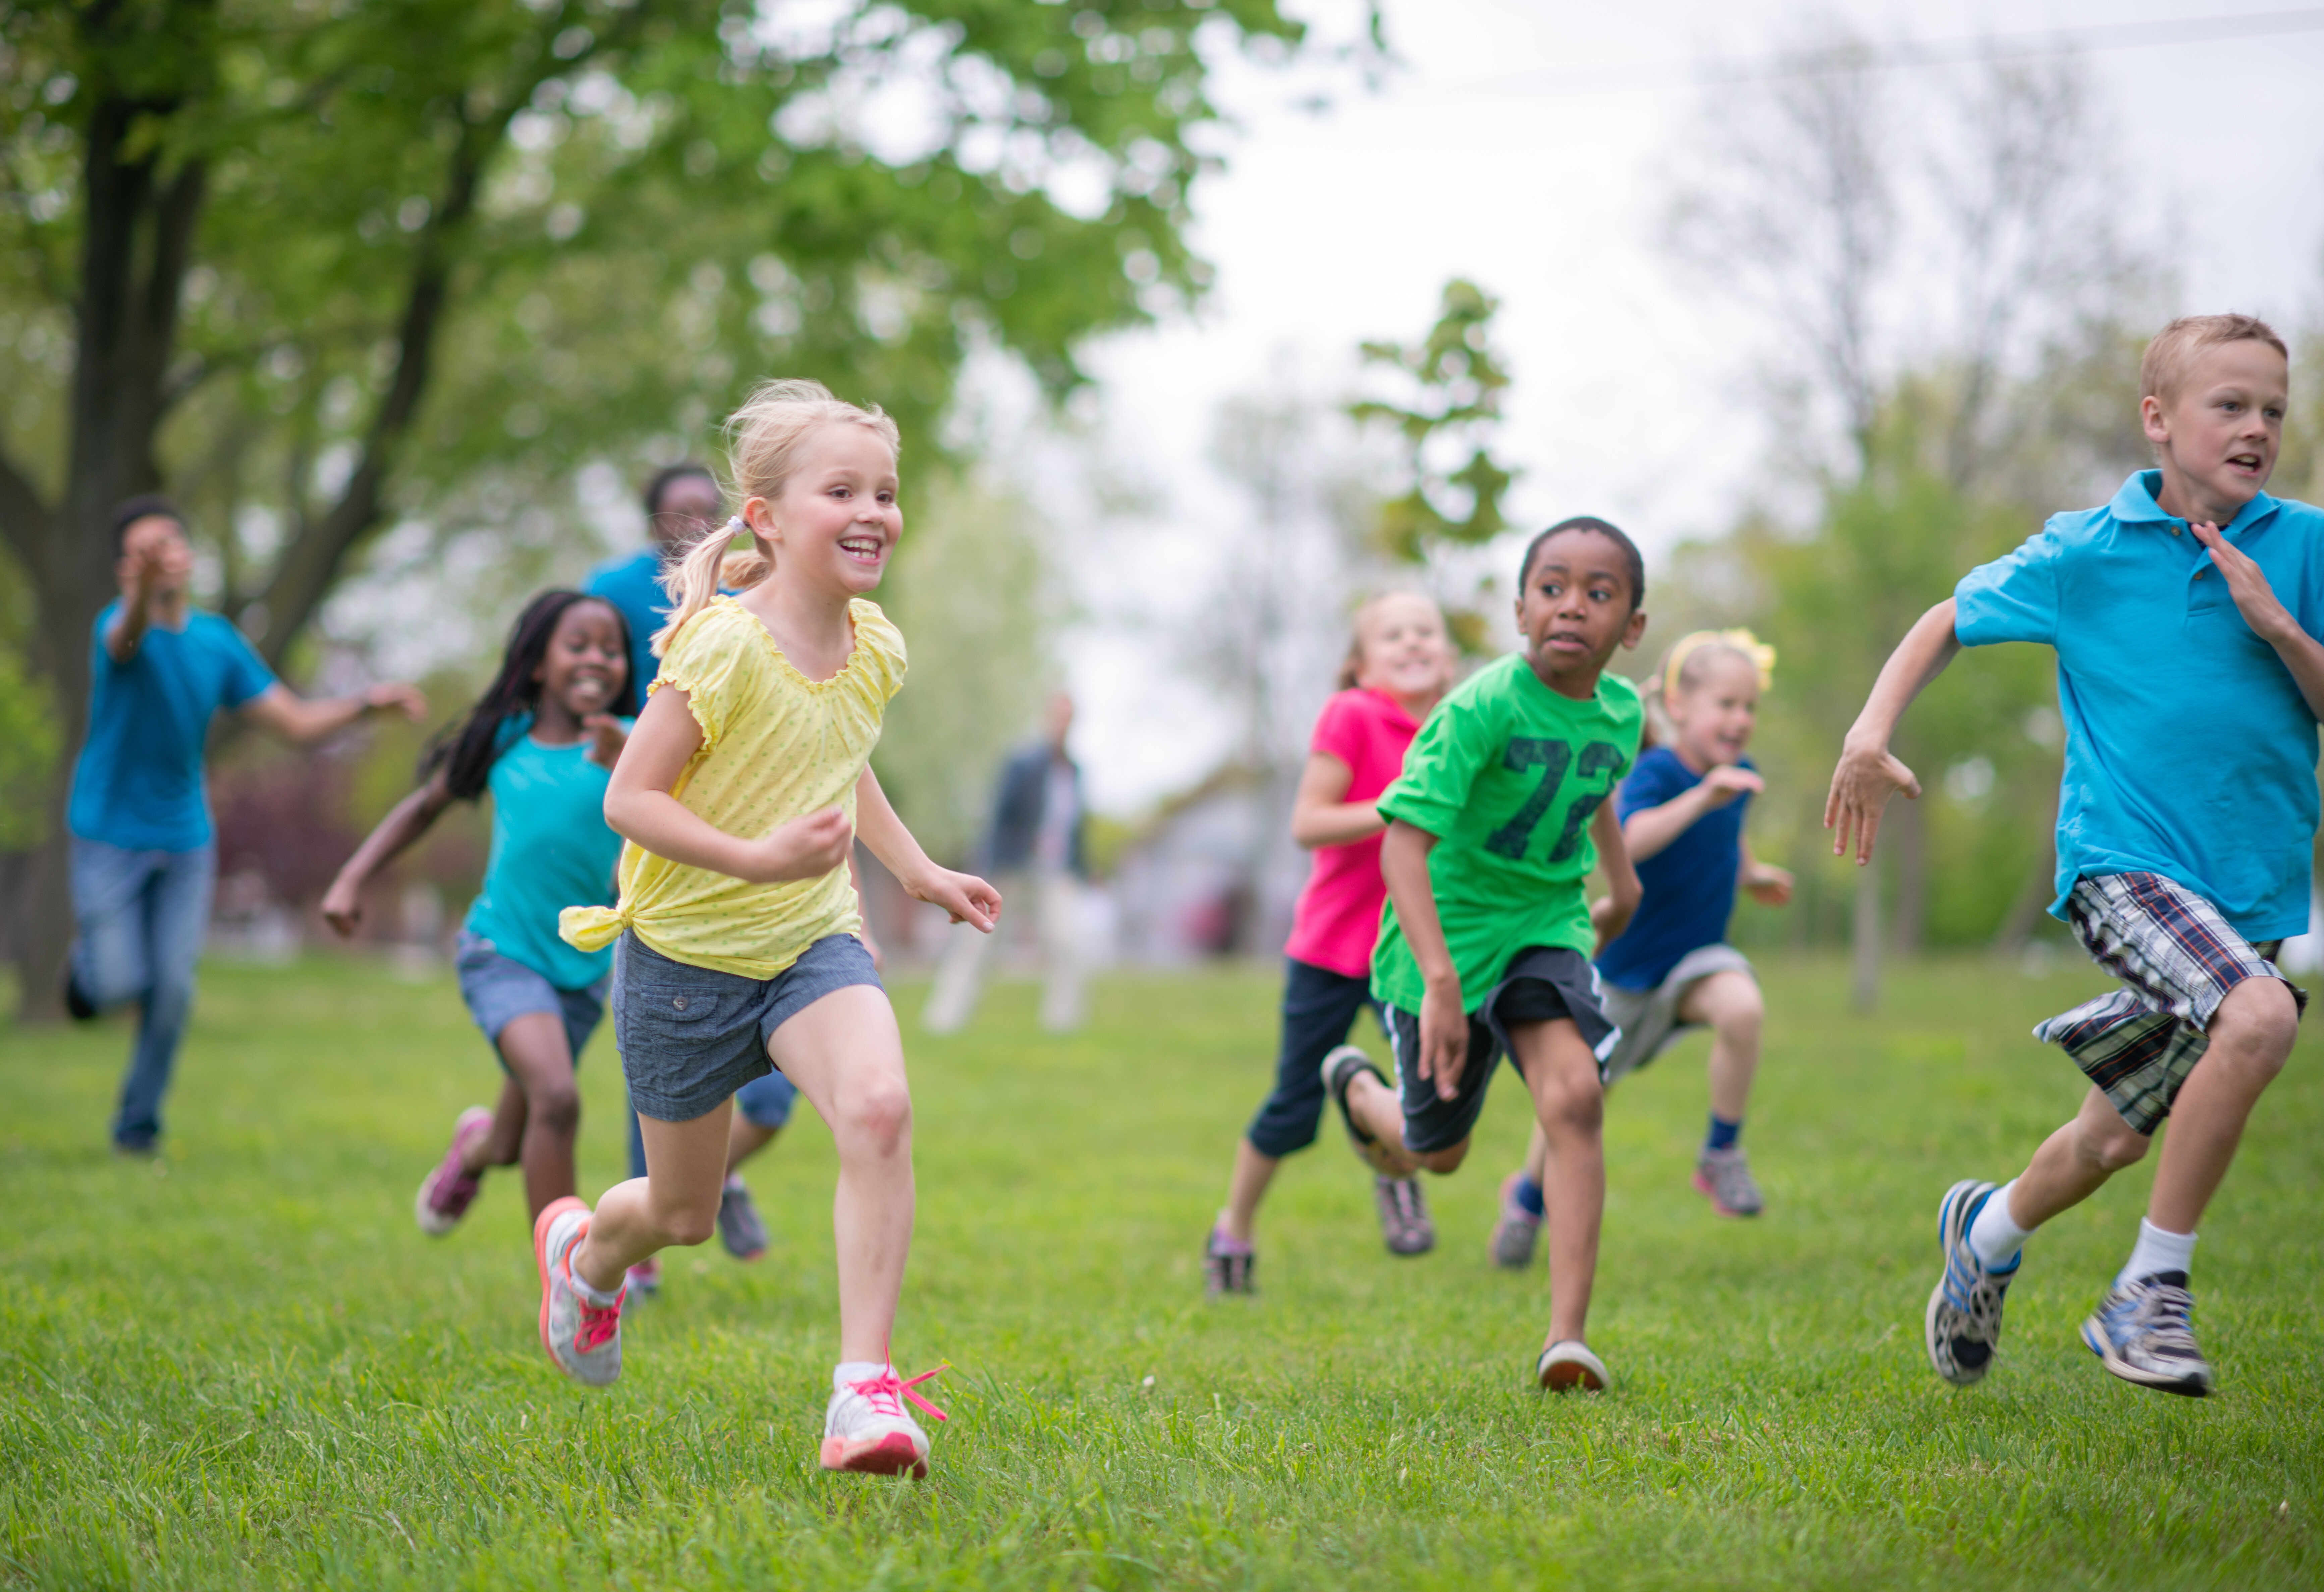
(775, 745)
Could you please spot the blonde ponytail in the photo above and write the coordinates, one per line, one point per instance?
(763, 448)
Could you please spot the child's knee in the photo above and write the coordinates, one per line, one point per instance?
(1571, 1101)
(1440, 1162)
(557, 1110)
(686, 1226)
(2257, 1024)
(879, 1115)
(2110, 1143)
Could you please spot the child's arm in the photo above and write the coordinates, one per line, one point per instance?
(1319, 815)
(1867, 775)
(1444, 1014)
(639, 807)
(1652, 830)
(969, 899)
(1612, 914)
(1769, 885)
(2269, 619)
(405, 822)
(302, 720)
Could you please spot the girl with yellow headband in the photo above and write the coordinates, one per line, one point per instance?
(1682, 810)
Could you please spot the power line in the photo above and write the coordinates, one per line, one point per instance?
(1907, 55)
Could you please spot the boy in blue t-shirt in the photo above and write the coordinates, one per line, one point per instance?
(142, 859)
(2185, 615)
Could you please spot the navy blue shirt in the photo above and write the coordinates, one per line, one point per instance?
(1689, 883)
(633, 586)
(139, 782)
(2190, 751)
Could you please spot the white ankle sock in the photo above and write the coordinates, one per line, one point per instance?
(581, 1286)
(2158, 1251)
(1995, 1235)
(848, 1371)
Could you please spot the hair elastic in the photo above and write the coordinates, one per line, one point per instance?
(1762, 655)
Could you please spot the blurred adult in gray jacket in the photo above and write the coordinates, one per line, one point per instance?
(1035, 848)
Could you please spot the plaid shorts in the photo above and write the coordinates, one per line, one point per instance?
(2177, 960)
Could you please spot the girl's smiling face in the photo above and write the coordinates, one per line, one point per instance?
(586, 664)
(1714, 716)
(836, 521)
(1577, 607)
(1402, 648)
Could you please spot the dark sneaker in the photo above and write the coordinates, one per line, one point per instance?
(1339, 1069)
(1565, 1366)
(78, 1005)
(1726, 1176)
(1405, 1223)
(739, 1229)
(1227, 1265)
(1518, 1231)
(2144, 1332)
(1964, 1326)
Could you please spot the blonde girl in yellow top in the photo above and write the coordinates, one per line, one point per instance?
(739, 794)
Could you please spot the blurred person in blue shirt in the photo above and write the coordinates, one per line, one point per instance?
(142, 856)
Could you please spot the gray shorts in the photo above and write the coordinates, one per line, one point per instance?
(1649, 1018)
(691, 1037)
(1542, 983)
(499, 991)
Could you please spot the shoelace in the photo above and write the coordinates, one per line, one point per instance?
(599, 1323)
(2164, 1316)
(1976, 1292)
(887, 1392)
(1401, 1198)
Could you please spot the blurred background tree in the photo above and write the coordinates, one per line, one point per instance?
(321, 270)
(1950, 315)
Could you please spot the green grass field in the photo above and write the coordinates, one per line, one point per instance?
(243, 1366)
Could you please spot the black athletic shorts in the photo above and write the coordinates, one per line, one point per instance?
(1541, 985)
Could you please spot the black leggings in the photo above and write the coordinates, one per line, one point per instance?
(1319, 1008)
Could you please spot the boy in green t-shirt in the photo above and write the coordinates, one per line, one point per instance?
(1486, 948)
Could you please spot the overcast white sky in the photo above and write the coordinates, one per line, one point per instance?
(1521, 144)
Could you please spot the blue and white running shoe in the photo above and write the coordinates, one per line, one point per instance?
(1963, 1328)
(2144, 1332)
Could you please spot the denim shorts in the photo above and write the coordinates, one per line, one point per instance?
(1542, 983)
(691, 1037)
(499, 991)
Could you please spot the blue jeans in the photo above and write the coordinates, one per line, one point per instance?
(142, 915)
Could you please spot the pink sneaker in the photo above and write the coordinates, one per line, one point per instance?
(584, 1339)
(867, 1431)
(644, 1279)
(447, 1192)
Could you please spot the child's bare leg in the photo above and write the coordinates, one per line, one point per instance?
(847, 1057)
(505, 1143)
(540, 1062)
(745, 1139)
(1729, 1002)
(1570, 1104)
(2252, 1034)
(674, 1206)
(2073, 1162)
(1246, 1187)
(1380, 1112)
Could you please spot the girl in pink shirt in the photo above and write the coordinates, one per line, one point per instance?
(1400, 663)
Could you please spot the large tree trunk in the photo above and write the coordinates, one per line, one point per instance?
(139, 226)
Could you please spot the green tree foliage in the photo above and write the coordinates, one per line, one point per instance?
(316, 268)
(1451, 383)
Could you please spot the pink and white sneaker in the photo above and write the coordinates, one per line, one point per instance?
(867, 1431)
(644, 1279)
(447, 1192)
(584, 1339)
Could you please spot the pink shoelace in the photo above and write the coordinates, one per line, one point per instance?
(599, 1322)
(887, 1392)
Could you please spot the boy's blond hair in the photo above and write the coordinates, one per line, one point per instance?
(2163, 371)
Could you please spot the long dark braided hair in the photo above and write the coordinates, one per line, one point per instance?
(467, 751)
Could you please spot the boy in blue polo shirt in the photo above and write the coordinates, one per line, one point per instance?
(142, 859)
(2184, 614)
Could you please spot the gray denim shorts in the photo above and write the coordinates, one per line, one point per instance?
(499, 990)
(691, 1037)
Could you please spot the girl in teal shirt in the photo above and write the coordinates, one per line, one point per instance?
(542, 739)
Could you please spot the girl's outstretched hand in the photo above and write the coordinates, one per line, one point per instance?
(969, 899)
(804, 848)
(342, 908)
(1769, 885)
(607, 736)
(1867, 775)
(1724, 783)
